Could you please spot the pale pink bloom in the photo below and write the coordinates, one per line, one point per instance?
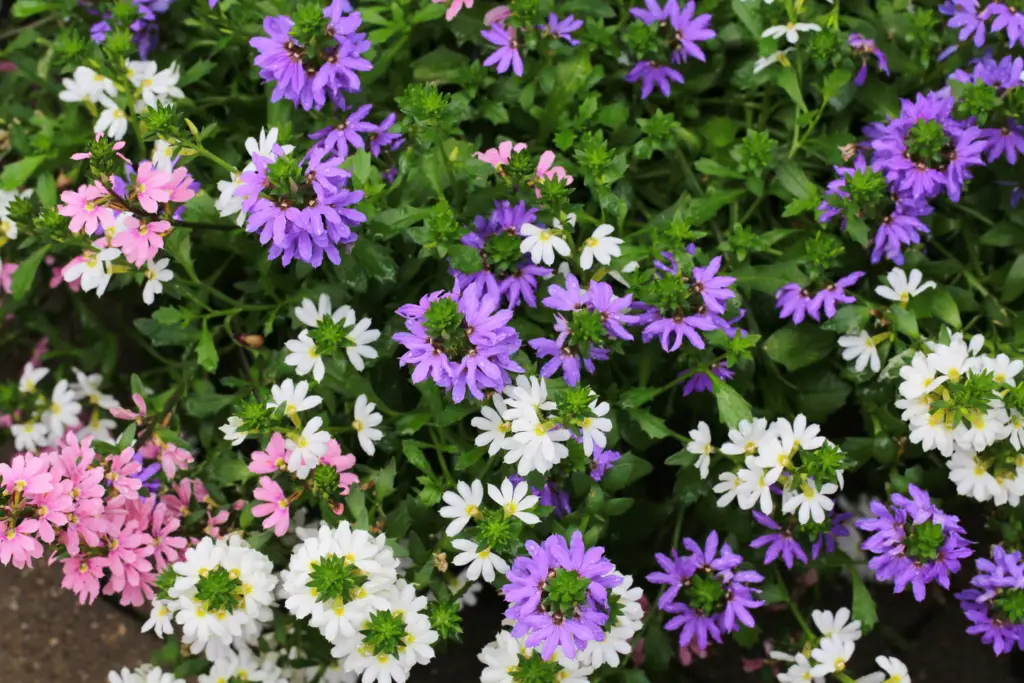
(121, 472)
(180, 186)
(273, 459)
(213, 523)
(173, 459)
(129, 564)
(274, 507)
(545, 170)
(124, 414)
(163, 523)
(500, 155)
(686, 654)
(82, 577)
(117, 147)
(75, 285)
(152, 186)
(17, 545)
(342, 463)
(455, 7)
(178, 501)
(497, 15)
(84, 210)
(141, 241)
(6, 274)
(52, 510)
(28, 475)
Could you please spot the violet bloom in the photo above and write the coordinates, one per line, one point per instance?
(1006, 18)
(794, 302)
(653, 13)
(865, 47)
(507, 53)
(699, 381)
(913, 542)
(381, 138)
(995, 602)
(550, 496)
(651, 74)
(336, 139)
(835, 527)
(825, 301)
(562, 28)
(964, 16)
(603, 460)
(567, 358)
(558, 595)
(780, 543)
(1004, 74)
(461, 340)
(690, 30)
(713, 288)
(707, 594)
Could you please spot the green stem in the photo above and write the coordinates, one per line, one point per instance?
(792, 605)
(207, 154)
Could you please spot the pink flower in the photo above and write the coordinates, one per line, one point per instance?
(141, 241)
(38, 351)
(275, 507)
(128, 561)
(17, 545)
(341, 463)
(500, 155)
(180, 186)
(82, 577)
(6, 274)
(152, 186)
(497, 15)
(75, 285)
(173, 459)
(178, 501)
(454, 8)
(545, 170)
(273, 459)
(163, 523)
(85, 209)
(686, 654)
(27, 475)
(121, 472)
(213, 523)
(117, 147)
(52, 509)
(124, 414)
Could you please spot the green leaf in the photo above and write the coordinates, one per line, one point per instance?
(465, 258)
(788, 81)
(46, 190)
(710, 167)
(414, 454)
(732, 408)
(469, 458)
(638, 396)
(168, 315)
(15, 174)
(627, 470)
(207, 404)
(863, 608)
(618, 506)
(798, 346)
(23, 9)
(376, 259)
(683, 458)
(703, 209)
(231, 469)
(21, 281)
(652, 425)
(834, 82)
(906, 322)
(1013, 286)
(719, 131)
(206, 351)
(945, 308)
(857, 229)
(196, 72)
(384, 480)
(794, 180)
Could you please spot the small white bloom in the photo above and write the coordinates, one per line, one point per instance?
(359, 339)
(295, 397)
(1003, 369)
(365, 422)
(462, 505)
(526, 400)
(779, 56)
(594, 428)
(230, 431)
(862, 349)
(87, 388)
(537, 448)
(147, 673)
(971, 476)
(836, 625)
(158, 86)
(307, 447)
(30, 436)
(64, 410)
(618, 635)
(755, 486)
(541, 244)
(792, 31)
(831, 655)
(85, 85)
(901, 287)
(112, 122)
(93, 269)
(304, 357)
(700, 445)
(600, 246)
(163, 156)
(229, 203)
(157, 273)
(482, 563)
(515, 500)
(727, 488)
(161, 619)
(810, 503)
(744, 439)
(777, 448)
(264, 147)
(30, 378)
(919, 378)
(798, 672)
(493, 428)
(310, 314)
(893, 671)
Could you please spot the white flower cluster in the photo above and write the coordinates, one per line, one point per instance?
(505, 656)
(618, 635)
(143, 674)
(229, 203)
(221, 597)
(982, 439)
(304, 356)
(345, 582)
(62, 409)
(463, 505)
(542, 243)
(833, 648)
(523, 425)
(768, 452)
(150, 86)
(243, 665)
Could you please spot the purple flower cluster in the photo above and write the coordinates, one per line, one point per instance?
(507, 42)
(707, 593)
(593, 319)
(505, 269)
(864, 48)
(339, 138)
(701, 381)
(302, 211)
(322, 63)
(796, 302)
(551, 495)
(144, 28)
(558, 595)
(780, 542)
(684, 29)
(995, 602)
(914, 542)
(972, 21)
(1007, 140)
(461, 340)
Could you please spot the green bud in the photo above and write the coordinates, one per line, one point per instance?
(219, 590)
(445, 619)
(924, 540)
(385, 633)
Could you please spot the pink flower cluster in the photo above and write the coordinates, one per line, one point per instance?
(546, 170)
(275, 503)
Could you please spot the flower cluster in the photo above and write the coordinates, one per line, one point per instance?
(507, 33)
(668, 35)
(994, 604)
(327, 332)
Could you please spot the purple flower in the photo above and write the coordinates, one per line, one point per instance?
(569, 359)
(1007, 19)
(651, 74)
(825, 301)
(1004, 74)
(713, 288)
(864, 47)
(562, 28)
(705, 593)
(558, 595)
(826, 540)
(461, 340)
(794, 302)
(964, 16)
(995, 602)
(689, 31)
(507, 53)
(780, 543)
(914, 542)
(701, 381)
(381, 138)
(336, 139)
(550, 496)
(604, 459)
(653, 13)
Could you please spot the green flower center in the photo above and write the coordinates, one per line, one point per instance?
(924, 540)
(502, 253)
(586, 329)
(445, 325)
(565, 592)
(334, 578)
(1009, 605)
(704, 593)
(220, 590)
(928, 144)
(534, 669)
(385, 635)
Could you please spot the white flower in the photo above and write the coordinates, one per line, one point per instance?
(594, 427)
(147, 673)
(862, 349)
(310, 314)
(617, 636)
(112, 122)
(727, 488)
(85, 85)
(293, 396)
(700, 445)
(744, 439)
(30, 378)
(30, 436)
(755, 486)
(307, 447)
(901, 288)
(971, 476)
(229, 204)
(365, 422)
(526, 400)
(242, 665)
(63, 411)
(304, 357)
(893, 671)
(501, 656)
(919, 378)
(984, 430)
(798, 672)
(1002, 368)
(230, 431)
(791, 30)
(515, 500)
(482, 562)
(831, 655)
(462, 506)
(774, 58)
(163, 155)
(810, 503)
(359, 339)
(157, 273)
(600, 246)
(783, 439)
(161, 619)
(156, 86)
(493, 429)
(537, 448)
(541, 244)
(264, 147)
(617, 275)
(93, 269)
(836, 625)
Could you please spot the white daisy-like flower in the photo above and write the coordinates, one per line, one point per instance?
(30, 436)
(791, 31)
(515, 500)
(243, 665)
(230, 431)
(310, 314)
(307, 447)
(594, 427)
(64, 409)
(831, 655)
(755, 486)
(919, 378)
(526, 400)
(901, 287)
(777, 448)
(158, 87)
(112, 122)
(359, 339)
(161, 619)
(777, 57)
(537, 448)
(542, 243)
(229, 203)
(727, 488)
(618, 635)
(862, 349)
(744, 438)
(156, 274)
(892, 671)
(93, 269)
(483, 563)
(700, 445)
(163, 156)
(836, 624)
(810, 502)
(295, 397)
(971, 476)
(600, 247)
(798, 672)
(264, 146)
(1004, 369)
(494, 429)
(147, 673)
(365, 421)
(304, 357)
(501, 659)
(31, 376)
(85, 85)
(462, 505)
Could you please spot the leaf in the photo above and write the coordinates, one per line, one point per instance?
(652, 425)
(834, 82)
(704, 208)
(384, 480)
(21, 281)
(376, 259)
(710, 167)
(46, 189)
(794, 180)
(683, 458)
(638, 396)
(1013, 286)
(945, 308)
(441, 65)
(23, 9)
(168, 315)
(627, 470)
(768, 279)
(788, 81)
(857, 229)
(207, 404)
(206, 351)
(906, 322)
(15, 174)
(414, 454)
(465, 258)
(196, 72)
(863, 608)
(732, 408)
(618, 506)
(469, 458)
(798, 346)
(231, 469)
(719, 131)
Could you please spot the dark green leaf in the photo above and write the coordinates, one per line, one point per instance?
(798, 346)
(21, 281)
(16, 173)
(206, 351)
(863, 609)
(732, 408)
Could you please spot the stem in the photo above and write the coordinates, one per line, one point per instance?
(207, 154)
(792, 605)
